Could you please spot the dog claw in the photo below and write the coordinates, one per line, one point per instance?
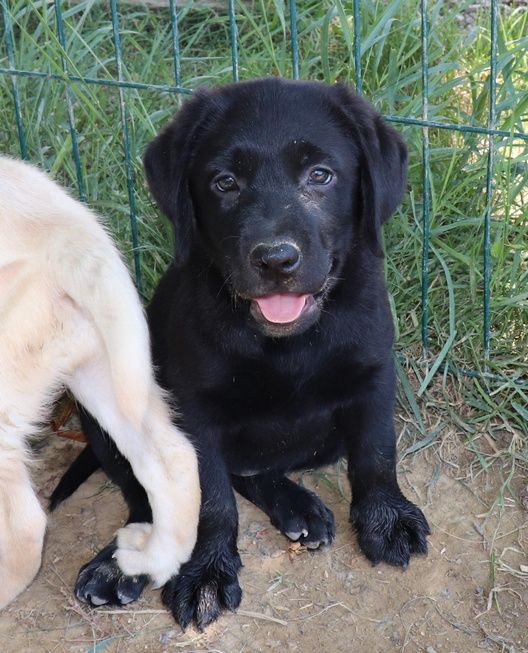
(95, 600)
(296, 535)
(314, 545)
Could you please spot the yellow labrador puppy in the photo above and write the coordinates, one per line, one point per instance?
(70, 317)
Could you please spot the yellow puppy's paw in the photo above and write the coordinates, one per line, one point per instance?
(159, 566)
(141, 550)
(134, 537)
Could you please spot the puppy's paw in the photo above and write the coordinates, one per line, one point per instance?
(141, 551)
(134, 536)
(303, 517)
(390, 529)
(158, 567)
(206, 585)
(101, 581)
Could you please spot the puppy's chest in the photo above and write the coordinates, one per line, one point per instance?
(283, 392)
(277, 416)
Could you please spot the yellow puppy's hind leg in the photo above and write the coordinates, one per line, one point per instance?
(22, 526)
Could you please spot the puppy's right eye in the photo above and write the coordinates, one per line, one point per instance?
(226, 184)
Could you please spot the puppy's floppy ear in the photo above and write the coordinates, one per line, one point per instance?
(382, 166)
(167, 160)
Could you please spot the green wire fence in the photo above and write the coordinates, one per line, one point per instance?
(348, 17)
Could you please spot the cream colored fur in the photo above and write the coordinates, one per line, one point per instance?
(70, 317)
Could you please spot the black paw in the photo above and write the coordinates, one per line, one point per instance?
(101, 581)
(390, 529)
(205, 586)
(303, 517)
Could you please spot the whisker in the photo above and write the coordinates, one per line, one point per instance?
(224, 283)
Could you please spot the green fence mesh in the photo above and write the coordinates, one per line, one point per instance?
(87, 84)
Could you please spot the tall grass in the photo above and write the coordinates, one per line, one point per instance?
(458, 78)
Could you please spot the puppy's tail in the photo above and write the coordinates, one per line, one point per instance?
(79, 471)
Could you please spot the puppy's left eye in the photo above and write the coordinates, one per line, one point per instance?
(320, 176)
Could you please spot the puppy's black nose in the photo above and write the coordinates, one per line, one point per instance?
(283, 258)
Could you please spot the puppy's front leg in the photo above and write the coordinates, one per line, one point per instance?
(389, 527)
(208, 583)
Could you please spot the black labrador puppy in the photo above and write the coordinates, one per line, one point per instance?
(272, 328)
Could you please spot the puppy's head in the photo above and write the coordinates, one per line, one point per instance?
(280, 182)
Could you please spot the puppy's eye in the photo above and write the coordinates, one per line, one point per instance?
(320, 176)
(226, 184)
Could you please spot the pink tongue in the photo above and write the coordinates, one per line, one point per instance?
(281, 308)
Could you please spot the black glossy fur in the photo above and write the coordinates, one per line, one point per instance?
(273, 186)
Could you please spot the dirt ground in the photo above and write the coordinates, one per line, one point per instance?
(469, 594)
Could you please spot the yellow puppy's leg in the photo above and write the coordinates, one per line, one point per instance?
(22, 526)
(163, 461)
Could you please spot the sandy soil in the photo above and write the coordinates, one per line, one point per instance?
(469, 594)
